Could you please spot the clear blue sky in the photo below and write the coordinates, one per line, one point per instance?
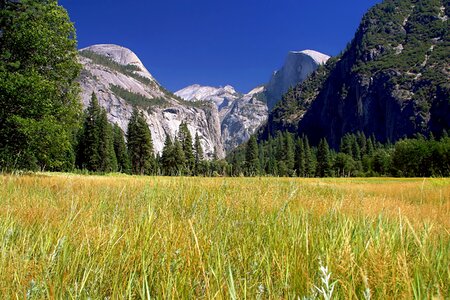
(212, 42)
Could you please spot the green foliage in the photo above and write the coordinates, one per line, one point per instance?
(185, 138)
(120, 149)
(323, 160)
(251, 157)
(358, 156)
(140, 145)
(168, 160)
(200, 166)
(95, 149)
(39, 101)
(129, 70)
(138, 99)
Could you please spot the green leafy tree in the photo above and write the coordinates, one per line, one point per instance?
(120, 149)
(39, 97)
(344, 165)
(140, 145)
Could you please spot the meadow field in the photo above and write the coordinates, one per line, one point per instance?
(68, 236)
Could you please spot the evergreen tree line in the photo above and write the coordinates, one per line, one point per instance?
(102, 148)
(358, 155)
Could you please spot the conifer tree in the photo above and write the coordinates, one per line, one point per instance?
(120, 148)
(108, 160)
(271, 168)
(185, 139)
(323, 159)
(88, 156)
(140, 145)
(180, 158)
(300, 158)
(310, 160)
(168, 163)
(95, 143)
(289, 151)
(198, 154)
(251, 157)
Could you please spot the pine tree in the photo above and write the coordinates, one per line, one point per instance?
(120, 148)
(271, 168)
(140, 145)
(289, 151)
(108, 160)
(323, 159)
(251, 157)
(199, 167)
(300, 158)
(88, 156)
(185, 139)
(262, 157)
(310, 160)
(96, 141)
(168, 163)
(180, 158)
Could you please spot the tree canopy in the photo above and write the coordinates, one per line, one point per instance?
(39, 97)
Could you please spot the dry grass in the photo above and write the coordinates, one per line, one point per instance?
(120, 237)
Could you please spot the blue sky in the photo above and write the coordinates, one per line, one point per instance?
(211, 42)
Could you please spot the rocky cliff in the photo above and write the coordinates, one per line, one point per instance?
(242, 114)
(121, 81)
(392, 81)
(297, 67)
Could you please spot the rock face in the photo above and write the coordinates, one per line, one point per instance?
(242, 114)
(297, 67)
(392, 81)
(121, 81)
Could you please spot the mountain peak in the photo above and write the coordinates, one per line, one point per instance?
(318, 57)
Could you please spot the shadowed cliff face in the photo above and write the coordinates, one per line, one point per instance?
(242, 114)
(392, 81)
(120, 82)
(297, 67)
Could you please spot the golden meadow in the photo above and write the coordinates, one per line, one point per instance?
(122, 237)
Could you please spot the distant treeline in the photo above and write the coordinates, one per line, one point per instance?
(358, 155)
(101, 148)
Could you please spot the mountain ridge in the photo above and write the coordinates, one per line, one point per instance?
(121, 82)
(392, 81)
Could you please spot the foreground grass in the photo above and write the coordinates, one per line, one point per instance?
(67, 236)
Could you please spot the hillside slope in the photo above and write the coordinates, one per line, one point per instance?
(121, 81)
(392, 81)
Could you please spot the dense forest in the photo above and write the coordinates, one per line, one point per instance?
(42, 125)
(358, 155)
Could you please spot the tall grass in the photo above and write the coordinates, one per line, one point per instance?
(67, 236)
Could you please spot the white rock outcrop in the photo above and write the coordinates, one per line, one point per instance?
(163, 111)
(242, 114)
(297, 67)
